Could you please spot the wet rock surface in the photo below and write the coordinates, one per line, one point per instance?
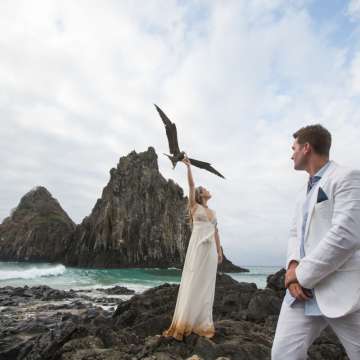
(43, 323)
(117, 290)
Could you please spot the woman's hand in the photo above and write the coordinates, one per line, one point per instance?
(186, 160)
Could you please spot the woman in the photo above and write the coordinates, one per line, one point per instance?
(193, 311)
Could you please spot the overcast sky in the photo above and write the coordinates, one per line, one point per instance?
(78, 80)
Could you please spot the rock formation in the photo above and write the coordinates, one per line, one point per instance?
(44, 323)
(37, 230)
(141, 220)
(228, 267)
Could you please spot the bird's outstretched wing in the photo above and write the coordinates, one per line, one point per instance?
(205, 165)
(171, 132)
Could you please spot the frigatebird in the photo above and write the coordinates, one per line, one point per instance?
(178, 155)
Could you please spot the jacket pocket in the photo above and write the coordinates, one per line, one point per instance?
(323, 208)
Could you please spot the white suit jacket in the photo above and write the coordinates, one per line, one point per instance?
(331, 265)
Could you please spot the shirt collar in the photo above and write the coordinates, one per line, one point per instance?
(323, 169)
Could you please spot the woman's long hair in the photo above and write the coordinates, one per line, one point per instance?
(197, 200)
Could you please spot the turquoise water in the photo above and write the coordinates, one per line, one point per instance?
(60, 277)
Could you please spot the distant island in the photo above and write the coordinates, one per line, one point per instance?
(141, 220)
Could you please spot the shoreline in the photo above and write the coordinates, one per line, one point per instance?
(139, 279)
(45, 323)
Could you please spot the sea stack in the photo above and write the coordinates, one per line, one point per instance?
(139, 221)
(38, 229)
(228, 267)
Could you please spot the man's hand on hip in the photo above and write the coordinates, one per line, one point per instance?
(298, 292)
(290, 276)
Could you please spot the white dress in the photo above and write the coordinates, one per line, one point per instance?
(194, 305)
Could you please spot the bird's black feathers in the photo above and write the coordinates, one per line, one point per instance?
(171, 132)
(178, 155)
(205, 165)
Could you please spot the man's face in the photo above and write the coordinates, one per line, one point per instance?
(300, 155)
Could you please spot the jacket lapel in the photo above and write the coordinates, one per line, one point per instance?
(302, 200)
(313, 198)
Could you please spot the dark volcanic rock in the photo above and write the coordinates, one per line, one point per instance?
(276, 282)
(140, 220)
(263, 304)
(117, 290)
(133, 331)
(37, 230)
(14, 295)
(228, 267)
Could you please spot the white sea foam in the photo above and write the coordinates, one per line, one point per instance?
(32, 273)
(138, 288)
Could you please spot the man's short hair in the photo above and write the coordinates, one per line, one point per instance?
(317, 136)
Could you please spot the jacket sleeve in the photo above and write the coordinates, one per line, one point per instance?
(343, 237)
(293, 249)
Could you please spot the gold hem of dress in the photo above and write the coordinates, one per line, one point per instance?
(178, 331)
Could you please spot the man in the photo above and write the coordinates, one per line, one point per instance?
(323, 260)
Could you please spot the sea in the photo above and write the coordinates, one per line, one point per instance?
(62, 277)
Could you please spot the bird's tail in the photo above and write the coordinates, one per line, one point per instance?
(172, 159)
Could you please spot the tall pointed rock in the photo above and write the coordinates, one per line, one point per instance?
(139, 221)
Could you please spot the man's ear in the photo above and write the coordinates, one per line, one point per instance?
(307, 148)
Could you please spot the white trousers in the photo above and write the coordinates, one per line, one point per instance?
(295, 332)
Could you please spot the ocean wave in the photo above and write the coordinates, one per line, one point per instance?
(32, 273)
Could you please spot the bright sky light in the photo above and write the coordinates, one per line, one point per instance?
(78, 80)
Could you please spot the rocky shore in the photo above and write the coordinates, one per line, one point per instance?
(44, 323)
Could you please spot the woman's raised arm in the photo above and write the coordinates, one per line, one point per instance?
(192, 201)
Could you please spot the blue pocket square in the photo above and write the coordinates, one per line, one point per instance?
(321, 196)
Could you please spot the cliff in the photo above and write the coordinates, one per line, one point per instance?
(140, 220)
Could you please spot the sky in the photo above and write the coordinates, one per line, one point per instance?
(78, 80)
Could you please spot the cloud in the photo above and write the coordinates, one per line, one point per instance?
(78, 80)
(355, 75)
(353, 9)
